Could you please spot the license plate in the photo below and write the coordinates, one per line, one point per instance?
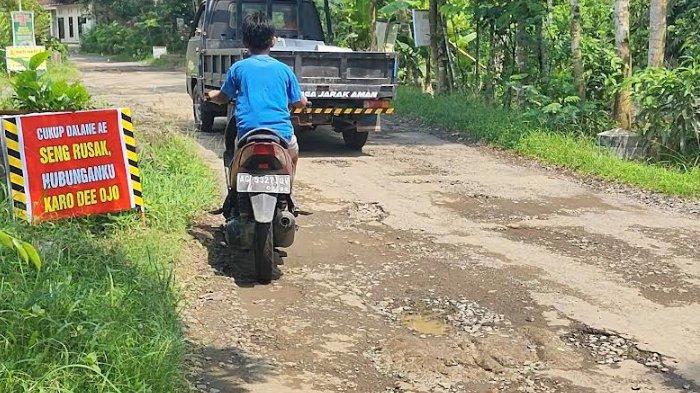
(273, 184)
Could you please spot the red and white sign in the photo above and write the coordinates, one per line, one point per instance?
(72, 164)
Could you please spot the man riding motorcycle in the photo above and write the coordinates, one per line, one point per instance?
(259, 209)
(264, 88)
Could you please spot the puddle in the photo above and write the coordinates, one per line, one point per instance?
(425, 325)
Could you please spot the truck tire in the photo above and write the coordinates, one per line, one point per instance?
(355, 140)
(204, 112)
(230, 134)
(264, 252)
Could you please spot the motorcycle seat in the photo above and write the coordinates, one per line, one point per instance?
(262, 135)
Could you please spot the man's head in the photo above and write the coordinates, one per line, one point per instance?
(258, 32)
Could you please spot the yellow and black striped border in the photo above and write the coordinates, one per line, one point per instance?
(132, 156)
(15, 170)
(343, 111)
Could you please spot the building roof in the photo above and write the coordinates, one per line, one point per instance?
(56, 2)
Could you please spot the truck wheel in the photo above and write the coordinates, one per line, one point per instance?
(204, 112)
(355, 140)
(230, 134)
(264, 252)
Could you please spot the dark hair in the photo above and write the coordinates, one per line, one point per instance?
(258, 32)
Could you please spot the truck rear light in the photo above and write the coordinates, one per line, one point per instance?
(376, 104)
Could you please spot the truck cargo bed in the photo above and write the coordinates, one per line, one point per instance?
(325, 75)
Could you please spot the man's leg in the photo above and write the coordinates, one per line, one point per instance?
(294, 152)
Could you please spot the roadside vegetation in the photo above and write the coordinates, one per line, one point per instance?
(130, 28)
(569, 69)
(565, 148)
(5, 92)
(545, 77)
(42, 20)
(101, 313)
(169, 62)
(57, 88)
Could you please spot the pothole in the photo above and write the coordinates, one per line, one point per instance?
(440, 315)
(610, 348)
(425, 324)
(367, 212)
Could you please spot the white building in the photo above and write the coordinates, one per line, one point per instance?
(69, 19)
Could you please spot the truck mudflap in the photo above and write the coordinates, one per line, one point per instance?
(343, 111)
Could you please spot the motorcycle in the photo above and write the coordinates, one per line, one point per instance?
(259, 209)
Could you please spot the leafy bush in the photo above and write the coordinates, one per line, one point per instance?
(55, 45)
(36, 91)
(25, 251)
(133, 36)
(669, 105)
(116, 39)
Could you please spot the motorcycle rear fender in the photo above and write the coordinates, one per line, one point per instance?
(264, 206)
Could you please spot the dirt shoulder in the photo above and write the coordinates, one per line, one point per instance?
(429, 265)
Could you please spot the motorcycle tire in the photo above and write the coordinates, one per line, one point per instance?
(264, 252)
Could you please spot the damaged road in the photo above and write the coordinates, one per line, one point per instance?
(431, 265)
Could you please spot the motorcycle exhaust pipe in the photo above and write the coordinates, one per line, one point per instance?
(284, 228)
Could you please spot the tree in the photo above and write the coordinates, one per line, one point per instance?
(657, 32)
(521, 41)
(623, 103)
(576, 57)
(437, 47)
(373, 24)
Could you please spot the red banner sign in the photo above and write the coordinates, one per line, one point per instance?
(63, 165)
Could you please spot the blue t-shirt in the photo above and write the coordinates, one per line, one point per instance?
(263, 89)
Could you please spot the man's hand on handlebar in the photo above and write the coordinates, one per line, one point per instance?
(303, 103)
(216, 96)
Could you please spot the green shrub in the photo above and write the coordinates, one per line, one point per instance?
(115, 39)
(55, 45)
(36, 91)
(668, 103)
(133, 39)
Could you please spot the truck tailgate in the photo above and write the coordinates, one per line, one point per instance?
(332, 75)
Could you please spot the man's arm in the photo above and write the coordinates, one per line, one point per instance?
(294, 93)
(303, 103)
(217, 97)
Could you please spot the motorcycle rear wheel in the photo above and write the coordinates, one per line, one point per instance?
(264, 251)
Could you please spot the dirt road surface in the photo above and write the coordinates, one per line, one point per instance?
(434, 266)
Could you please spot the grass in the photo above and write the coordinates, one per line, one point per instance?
(507, 129)
(5, 91)
(168, 62)
(100, 316)
(64, 70)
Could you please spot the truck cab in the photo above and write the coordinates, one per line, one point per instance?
(349, 90)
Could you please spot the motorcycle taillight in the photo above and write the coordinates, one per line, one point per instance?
(263, 149)
(263, 157)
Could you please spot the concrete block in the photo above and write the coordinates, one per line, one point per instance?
(624, 144)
